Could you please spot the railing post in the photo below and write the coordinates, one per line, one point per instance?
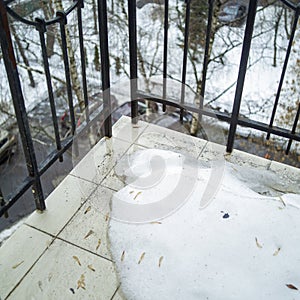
(19, 106)
(185, 53)
(165, 55)
(103, 34)
(242, 73)
(206, 55)
(133, 58)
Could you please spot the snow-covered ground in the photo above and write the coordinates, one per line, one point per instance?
(243, 245)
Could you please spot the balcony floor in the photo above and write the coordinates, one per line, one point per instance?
(66, 252)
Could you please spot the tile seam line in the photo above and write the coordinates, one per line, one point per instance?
(84, 249)
(68, 221)
(35, 262)
(114, 294)
(202, 150)
(134, 140)
(109, 170)
(114, 165)
(57, 237)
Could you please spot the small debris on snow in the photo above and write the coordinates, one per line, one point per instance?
(141, 258)
(276, 252)
(282, 200)
(137, 195)
(291, 286)
(257, 243)
(123, 255)
(226, 216)
(160, 261)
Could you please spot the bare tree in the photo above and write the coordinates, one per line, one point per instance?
(73, 66)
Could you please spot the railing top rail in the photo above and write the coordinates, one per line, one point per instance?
(54, 20)
(290, 4)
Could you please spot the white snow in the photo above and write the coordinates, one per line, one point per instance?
(6, 233)
(241, 246)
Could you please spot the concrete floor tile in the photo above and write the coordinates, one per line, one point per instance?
(62, 204)
(18, 254)
(88, 228)
(67, 272)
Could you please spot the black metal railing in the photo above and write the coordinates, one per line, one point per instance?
(36, 170)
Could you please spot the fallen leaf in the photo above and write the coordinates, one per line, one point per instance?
(123, 255)
(131, 192)
(267, 156)
(156, 222)
(142, 257)
(137, 195)
(91, 268)
(88, 234)
(87, 210)
(77, 260)
(98, 245)
(291, 286)
(257, 243)
(160, 261)
(81, 282)
(106, 217)
(18, 264)
(276, 252)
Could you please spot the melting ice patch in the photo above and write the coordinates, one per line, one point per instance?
(241, 246)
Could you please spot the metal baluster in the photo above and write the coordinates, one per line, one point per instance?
(103, 34)
(80, 5)
(185, 52)
(242, 73)
(19, 106)
(133, 58)
(206, 55)
(62, 22)
(42, 29)
(165, 58)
